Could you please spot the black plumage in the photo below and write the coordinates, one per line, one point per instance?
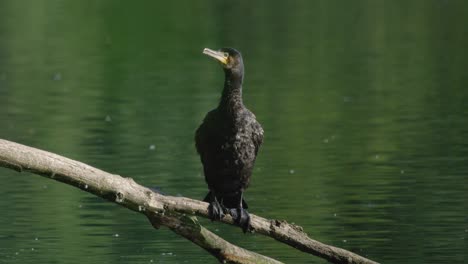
(228, 141)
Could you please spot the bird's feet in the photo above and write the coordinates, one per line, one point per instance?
(241, 218)
(216, 210)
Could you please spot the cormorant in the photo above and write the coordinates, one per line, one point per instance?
(228, 141)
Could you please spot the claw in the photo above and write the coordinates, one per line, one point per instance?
(216, 210)
(241, 218)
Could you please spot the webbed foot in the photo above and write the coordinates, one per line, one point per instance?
(216, 210)
(241, 218)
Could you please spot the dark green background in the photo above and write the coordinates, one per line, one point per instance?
(364, 106)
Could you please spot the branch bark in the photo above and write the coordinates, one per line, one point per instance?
(165, 210)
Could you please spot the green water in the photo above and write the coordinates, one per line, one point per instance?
(364, 106)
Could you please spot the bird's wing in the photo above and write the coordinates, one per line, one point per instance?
(199, 138)
(257, 135)
(202, 134)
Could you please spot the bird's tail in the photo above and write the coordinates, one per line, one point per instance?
(208, 198)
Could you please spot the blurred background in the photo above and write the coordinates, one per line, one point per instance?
(364, 106)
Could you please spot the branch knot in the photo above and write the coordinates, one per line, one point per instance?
(119, 197)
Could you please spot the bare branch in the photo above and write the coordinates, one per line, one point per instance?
(163, 210)
(226, 252)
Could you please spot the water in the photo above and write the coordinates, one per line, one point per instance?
(363, 105)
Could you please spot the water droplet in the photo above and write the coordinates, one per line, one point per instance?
(80, 206)
(108, 118)
(116, 235)
(291, 171)
(402, 172)
(86, 186)
(16, 253)
(152, 147)
(32, 249)
(36, 239)
(334, 214)
(344, 240)
(57, 76)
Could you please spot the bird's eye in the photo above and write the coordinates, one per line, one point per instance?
(226, 55)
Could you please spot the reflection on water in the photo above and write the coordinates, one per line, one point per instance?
(363, 105)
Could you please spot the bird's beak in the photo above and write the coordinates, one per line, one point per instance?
(216, 54)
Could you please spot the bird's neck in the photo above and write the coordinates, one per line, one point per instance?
(231, 98)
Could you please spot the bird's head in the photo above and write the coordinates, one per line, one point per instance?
(230, 59)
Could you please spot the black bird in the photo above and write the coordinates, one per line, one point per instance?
(228, 141)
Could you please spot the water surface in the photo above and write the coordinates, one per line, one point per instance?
(364, 106)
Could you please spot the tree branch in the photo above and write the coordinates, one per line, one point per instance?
(165, 210)
(226, 252)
